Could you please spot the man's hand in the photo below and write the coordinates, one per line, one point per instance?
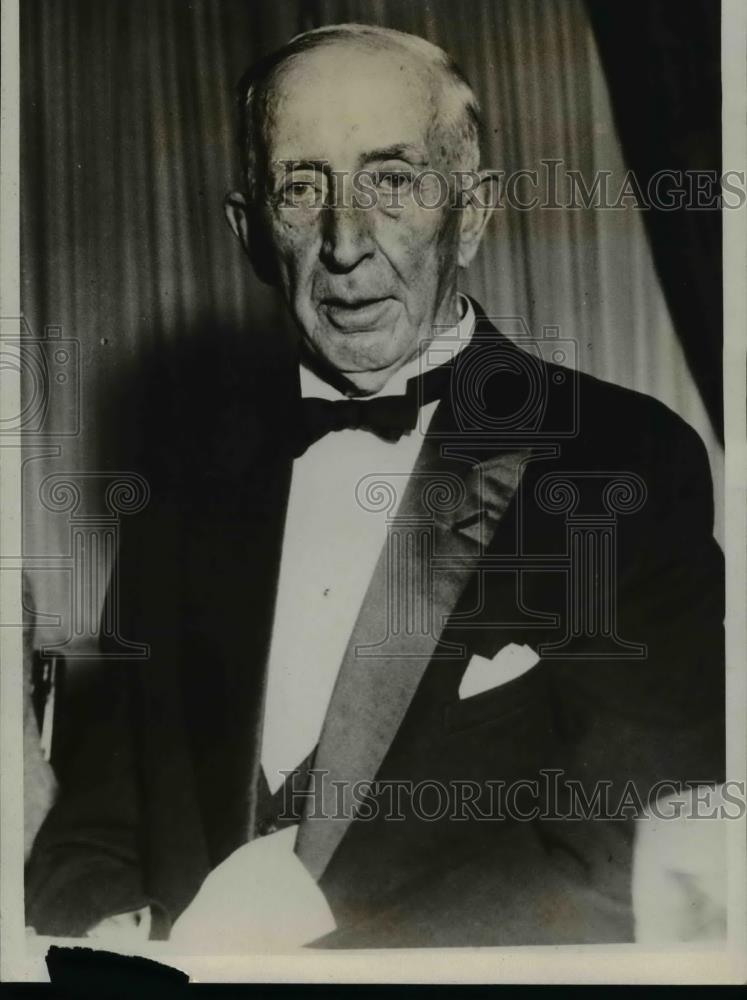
(261, 898)
(123, 928)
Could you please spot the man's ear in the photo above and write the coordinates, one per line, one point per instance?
(237, 213)
(249, 229)
(477, 204)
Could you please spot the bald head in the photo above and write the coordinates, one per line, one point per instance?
(373, 57)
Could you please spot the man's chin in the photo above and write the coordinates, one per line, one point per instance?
(359, 362)
(368, 382)
(363, 380)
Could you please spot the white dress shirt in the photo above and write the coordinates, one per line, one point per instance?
(330, 549)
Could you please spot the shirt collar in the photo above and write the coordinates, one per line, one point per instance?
(444, 346)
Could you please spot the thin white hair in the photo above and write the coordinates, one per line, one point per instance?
(460, 110)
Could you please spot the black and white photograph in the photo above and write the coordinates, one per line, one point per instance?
(374, 581)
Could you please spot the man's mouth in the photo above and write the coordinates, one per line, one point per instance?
(352, 315)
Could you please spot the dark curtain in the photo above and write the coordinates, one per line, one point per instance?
(662, 63)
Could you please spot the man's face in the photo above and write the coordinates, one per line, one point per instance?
(365, 283)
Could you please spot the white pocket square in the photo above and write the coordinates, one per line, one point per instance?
(508, 663)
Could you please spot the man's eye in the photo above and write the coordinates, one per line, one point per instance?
(303, 194)
(393, 180)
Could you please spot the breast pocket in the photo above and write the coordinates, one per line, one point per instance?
(497, 705)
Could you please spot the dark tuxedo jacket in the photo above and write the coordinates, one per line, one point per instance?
(546, 508)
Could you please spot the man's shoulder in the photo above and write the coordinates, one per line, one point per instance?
(595, 415)
(621, 430)
(204, 408)
(534, 393)
(608, 407)
(588, 424)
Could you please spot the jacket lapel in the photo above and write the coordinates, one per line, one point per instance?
(438, 528)
(239, 541)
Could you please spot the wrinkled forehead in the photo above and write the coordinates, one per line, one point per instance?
(342, 100)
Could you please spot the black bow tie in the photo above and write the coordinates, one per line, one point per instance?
(389, 417)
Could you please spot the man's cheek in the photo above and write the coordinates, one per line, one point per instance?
(296, 253)
(295, 232)
(416, 261)
(409, 239)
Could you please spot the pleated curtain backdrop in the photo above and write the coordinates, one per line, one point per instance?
(128, 149)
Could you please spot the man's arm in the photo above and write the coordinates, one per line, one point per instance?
(85, 865)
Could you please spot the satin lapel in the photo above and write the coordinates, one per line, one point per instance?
(437, 529)
(243, 549)
(265, 554)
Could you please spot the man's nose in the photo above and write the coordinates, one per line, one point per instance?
(346, 236)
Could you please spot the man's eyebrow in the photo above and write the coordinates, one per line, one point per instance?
(399, 151)
(287, 165)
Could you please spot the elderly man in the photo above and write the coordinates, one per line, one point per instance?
(430, 619)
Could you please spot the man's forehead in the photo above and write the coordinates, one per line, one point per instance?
(343, 94)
